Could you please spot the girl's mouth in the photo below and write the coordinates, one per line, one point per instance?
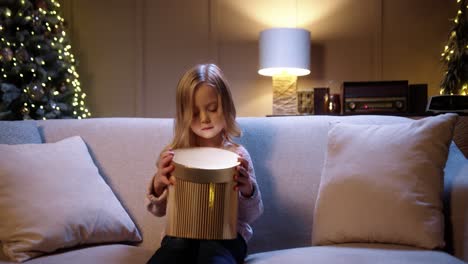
(207, 128)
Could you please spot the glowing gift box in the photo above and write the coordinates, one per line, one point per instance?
(203, 203)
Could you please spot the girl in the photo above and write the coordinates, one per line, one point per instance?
(205, 118)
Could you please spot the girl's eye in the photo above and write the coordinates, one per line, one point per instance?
(196, 113)
(213, 108)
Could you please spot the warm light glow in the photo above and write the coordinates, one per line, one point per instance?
(286, 71)
(211, 196)
(286, 13)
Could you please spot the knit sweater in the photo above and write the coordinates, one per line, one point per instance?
(249, 208)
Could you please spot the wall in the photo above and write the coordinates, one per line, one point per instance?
(132, 52)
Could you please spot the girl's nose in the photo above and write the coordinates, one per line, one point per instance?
(204, 117)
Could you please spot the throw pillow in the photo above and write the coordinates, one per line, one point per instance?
(52, 197)
(384, 183)
(19, 132)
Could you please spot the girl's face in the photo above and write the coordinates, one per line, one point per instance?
(208, 120)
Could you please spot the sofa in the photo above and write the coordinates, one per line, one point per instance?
(289, 156)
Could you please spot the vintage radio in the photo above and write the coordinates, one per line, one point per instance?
(203, 203)
(380, 97)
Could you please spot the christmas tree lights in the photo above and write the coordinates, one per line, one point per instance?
(455, 55)
(38, 78)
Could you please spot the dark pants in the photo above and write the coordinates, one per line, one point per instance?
(183, 250)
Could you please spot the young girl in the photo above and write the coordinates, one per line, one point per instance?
(205, 118)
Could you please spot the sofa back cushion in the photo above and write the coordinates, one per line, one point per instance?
(288, 155)
(19, 132)
(125, 151)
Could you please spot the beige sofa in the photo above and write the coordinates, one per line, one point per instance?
(288, 155)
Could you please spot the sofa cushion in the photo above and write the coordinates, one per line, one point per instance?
(19, 132)
(52, 196)
(353, 254)
(113, 254)
(384, 183)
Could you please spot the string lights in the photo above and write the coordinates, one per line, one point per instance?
(455, 55)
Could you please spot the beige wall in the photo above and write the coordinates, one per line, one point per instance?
(132, 52)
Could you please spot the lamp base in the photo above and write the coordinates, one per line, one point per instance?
(284, 95)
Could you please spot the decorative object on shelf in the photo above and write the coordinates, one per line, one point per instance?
(378, 97)
(455, 58)
(36, 63)
(334, 104)
(321, 98)
(417, 98)
(284, 55)
(305, 101)
(448, 104)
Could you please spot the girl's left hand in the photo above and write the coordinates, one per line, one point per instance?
(242, 177)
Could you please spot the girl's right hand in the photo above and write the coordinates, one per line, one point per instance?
(163, 178)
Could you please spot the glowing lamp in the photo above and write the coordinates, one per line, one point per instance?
(284, 50)
(284, 54)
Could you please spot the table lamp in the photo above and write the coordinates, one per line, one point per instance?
(284, 55)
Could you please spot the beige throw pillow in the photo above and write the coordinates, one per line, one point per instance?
(52, 197)
(384, 183)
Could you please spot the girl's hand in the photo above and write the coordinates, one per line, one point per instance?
(163, 178)
(242, 177)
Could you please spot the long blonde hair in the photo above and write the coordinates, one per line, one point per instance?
(211, 75)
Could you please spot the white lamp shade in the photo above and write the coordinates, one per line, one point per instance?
(284, 50)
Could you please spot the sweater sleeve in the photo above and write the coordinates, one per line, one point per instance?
(156, 205)
(250, 208)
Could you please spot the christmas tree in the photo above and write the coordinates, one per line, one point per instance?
(38, 78)
(455, 55)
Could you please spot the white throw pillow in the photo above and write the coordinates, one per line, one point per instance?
(384, 183)
(52, 197)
